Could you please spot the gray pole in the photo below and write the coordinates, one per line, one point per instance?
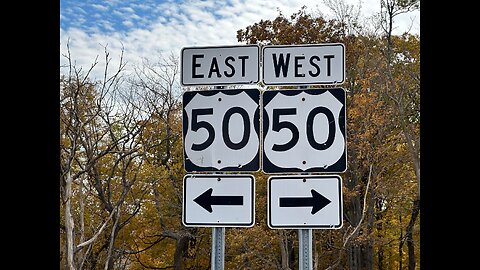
(305, 258)
(218, 248)
(218, 240)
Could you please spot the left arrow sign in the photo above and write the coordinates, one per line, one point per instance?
(206, 200)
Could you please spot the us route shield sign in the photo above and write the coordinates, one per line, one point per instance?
(221, 130)
(304, 131)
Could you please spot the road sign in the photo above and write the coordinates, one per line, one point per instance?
(305, 201)
(221, 130)
(220, 65)
(216, 200)
(304, 131)
(304, 64)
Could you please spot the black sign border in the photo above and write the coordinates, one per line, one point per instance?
(254, 164)
(303, 45)
(220, 47)
(340, 166)
(300, 178)
(240, 225)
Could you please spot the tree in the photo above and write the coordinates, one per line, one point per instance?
(100, 161)
(122, 160)
(374, 210)
(78, 115)
(402, 59)
(157, 92)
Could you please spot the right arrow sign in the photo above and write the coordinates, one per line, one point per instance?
(305, 201)
(317, 202)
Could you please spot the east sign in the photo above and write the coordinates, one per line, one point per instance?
(220, 65)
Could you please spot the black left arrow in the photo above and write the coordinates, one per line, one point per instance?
(317, 202)
(206, 200)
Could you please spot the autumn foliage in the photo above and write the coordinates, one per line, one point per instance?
(122, 164)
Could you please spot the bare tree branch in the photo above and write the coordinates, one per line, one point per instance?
(94, 237)
(355, 230)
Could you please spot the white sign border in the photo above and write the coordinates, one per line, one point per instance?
(260, 147)
(296, 171)
(304, 45)
(221, 47)
(218, 224)
(340, 185)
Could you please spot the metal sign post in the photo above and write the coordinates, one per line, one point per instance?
(285, 131)
(218, 248)
(218, 239)
(305, 258)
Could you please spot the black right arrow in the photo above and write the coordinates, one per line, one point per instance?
(317, 202)
(206, 200)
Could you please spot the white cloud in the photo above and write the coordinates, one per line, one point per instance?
(127, 23)
(192, 23)
(100, 7)
(118, 13)
(128, 9)
(197, 15)
(79, 9)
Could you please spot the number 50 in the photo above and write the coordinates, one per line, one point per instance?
(196, 125)
(278, 125)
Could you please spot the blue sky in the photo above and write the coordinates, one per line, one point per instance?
(148, 29)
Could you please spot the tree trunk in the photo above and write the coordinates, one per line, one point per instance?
(291, 253)
(354, 257)
(287, 252)
(380, 233)
(314, 251)
(180, 252)
(368, 252)
(400, 245)
(284, 250)
(380, 258)
(69, 223)
(110, 256)
(409, 235)
(354, 250)
(81, 254)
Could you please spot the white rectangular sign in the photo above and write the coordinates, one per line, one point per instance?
(218, 200)
(221, 130)
(304, 64)
(220, 65)
(305, 201)
(304, 131)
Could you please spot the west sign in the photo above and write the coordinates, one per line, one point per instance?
(304, 64)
